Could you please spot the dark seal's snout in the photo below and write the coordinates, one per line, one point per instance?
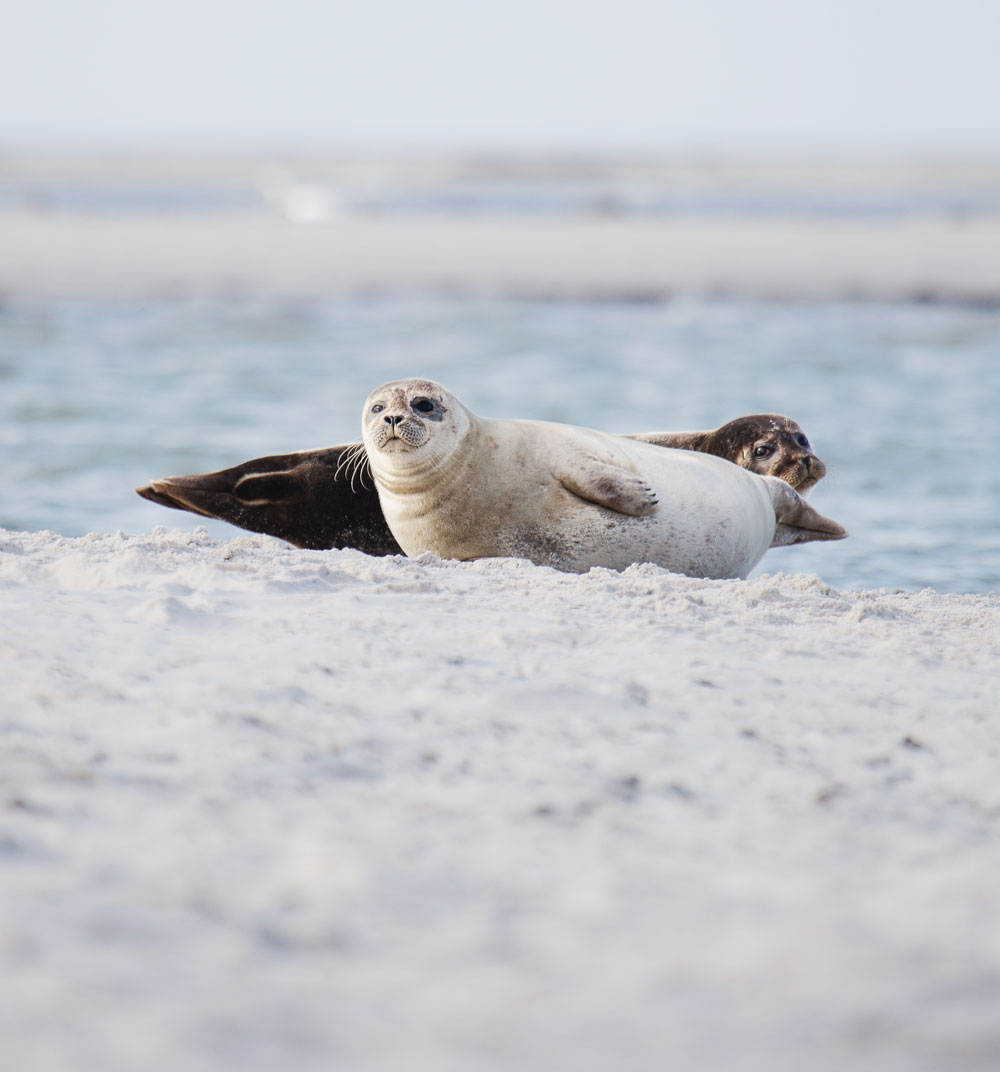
(811, 471)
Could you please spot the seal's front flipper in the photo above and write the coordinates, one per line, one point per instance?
(607, 485)
(798, 522)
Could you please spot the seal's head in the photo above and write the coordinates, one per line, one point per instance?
(411, 425)
(771, 445)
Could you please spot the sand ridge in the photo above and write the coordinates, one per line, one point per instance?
(256, 254)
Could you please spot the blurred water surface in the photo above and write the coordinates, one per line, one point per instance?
(872, 188)
(901, 401)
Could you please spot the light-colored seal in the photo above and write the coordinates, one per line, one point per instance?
(467, 487)
(326, 498)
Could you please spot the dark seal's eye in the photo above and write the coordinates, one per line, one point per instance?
(802, 441)
(378, 407)
(422, 405)
(764, 451)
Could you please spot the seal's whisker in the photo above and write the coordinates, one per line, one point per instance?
(359, 466)
(343, 461)
(347, 462)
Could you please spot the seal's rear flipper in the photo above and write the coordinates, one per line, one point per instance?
(161, 498)
(798, 522)
(316, 499)
(223, 494)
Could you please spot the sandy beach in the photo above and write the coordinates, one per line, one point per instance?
(266, 807)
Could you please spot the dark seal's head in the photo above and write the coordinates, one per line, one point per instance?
(768, 444)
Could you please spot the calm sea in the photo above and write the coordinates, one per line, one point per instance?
(901, 401)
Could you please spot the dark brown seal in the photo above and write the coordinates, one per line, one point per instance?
(764, 443)
(315, 498)
(326, 498)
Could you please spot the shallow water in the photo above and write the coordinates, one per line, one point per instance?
(862, 189)
(901, 401)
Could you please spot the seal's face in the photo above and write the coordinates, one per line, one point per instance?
(409, 424)
(772, 446)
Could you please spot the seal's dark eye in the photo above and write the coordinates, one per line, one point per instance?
(764, 451)
(802, 441)
(422, 405)
(378, 407)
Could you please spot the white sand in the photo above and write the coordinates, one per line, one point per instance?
(262, 255)
(266, 808)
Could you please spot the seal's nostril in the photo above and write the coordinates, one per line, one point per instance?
(392, 421)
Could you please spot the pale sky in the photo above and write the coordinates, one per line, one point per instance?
(647, 75)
